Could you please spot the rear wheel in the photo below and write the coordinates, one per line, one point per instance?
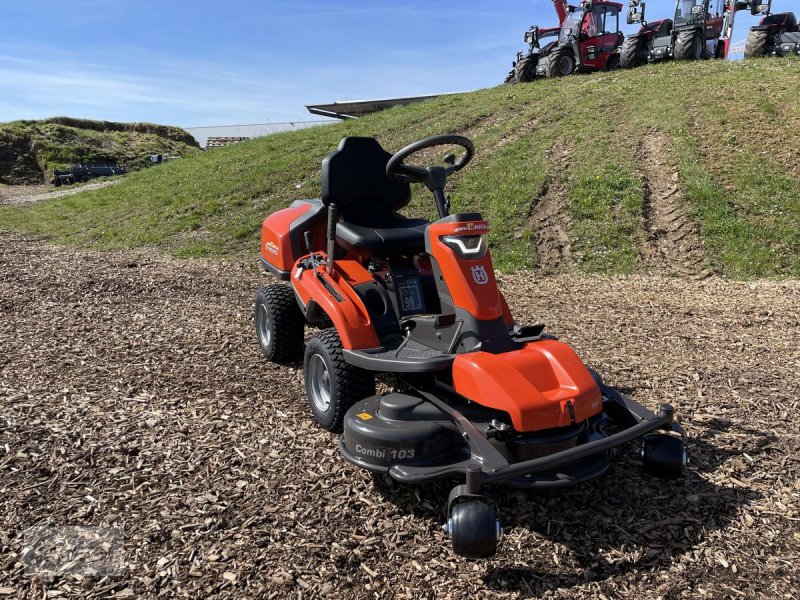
(561, 62)
(632, 53)
(689, 45)
(332, 385)
(526, 68)
(756, 45)
(279, 324)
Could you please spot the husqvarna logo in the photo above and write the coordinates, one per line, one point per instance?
(479, 275)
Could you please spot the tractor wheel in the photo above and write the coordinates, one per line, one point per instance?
(279, 324)
(756, 45)
(632, 53)
(689, 46)
(511, 78)
(613, 63)
(560, 62)
(526, 68)
(332, 385)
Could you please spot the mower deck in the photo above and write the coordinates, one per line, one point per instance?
(482, 453)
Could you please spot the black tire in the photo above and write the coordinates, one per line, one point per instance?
(632, 53)
(613, 63)
(526, 69)
(473, 528)
(663, 456)
(689, 45)
(756, 45)
(510, 79)
(279, 324)
(332, 385)
(560, 62)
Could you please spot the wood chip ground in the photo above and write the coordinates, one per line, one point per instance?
(133, 395)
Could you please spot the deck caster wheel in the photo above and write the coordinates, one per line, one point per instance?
(474, 529)
(664, 456)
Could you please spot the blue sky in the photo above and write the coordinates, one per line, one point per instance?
(213, 63)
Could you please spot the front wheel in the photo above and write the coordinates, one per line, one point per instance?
(474, 529)
(561, 62)
(633, 53)
(756, 45)
(526, 68)
(333, 385)
(689, 45)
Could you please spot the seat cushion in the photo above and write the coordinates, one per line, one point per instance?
(404, 237)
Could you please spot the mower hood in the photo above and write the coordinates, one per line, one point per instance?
(544, 385)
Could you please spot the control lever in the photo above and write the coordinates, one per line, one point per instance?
(310, 247)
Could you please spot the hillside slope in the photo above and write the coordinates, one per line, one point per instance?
(688, 168)
(31, 150)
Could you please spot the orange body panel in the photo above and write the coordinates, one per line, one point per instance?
(276, 244)
(349, 316)
(534, 385)
(471, 282)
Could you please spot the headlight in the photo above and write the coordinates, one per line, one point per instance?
(470, 247)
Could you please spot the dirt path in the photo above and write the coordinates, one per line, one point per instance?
(549, 218)
(673, 242)
(133, 393)
(22, 194)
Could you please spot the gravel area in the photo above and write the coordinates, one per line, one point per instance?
(23, 194)
(133, 395)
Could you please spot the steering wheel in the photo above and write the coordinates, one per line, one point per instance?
(397, 169)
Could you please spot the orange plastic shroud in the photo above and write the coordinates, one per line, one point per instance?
(471, 283)
(335, 295)
(542, 386)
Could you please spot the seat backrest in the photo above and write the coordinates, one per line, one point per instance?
(354, 178)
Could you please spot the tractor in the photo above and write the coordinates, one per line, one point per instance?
(525, 66)
(523, 69)
(589, 41)
(637, 47)
(702, 29)
(776, 34)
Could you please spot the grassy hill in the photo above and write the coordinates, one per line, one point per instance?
(31, 150)
(619, 172)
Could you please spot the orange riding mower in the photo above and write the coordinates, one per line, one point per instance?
(479, 397)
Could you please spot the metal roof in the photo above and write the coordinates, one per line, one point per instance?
(352, 109)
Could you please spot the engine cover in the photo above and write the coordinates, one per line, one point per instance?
(383, 431)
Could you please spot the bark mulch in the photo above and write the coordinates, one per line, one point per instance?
(133, 395)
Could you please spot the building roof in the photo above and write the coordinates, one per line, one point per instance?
(352, 109)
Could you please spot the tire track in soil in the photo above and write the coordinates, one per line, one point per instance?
(673, 243)
(548, 216)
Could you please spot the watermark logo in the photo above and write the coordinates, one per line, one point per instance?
(86, 551)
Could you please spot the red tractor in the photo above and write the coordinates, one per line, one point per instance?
(702, 29)
(589, 41)
(776, 34)
(525, 66)
(637, 47)
(523, 69)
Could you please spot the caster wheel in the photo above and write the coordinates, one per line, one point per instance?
(664, 456)
(474, 528)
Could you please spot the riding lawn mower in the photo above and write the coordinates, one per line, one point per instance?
(480, 399)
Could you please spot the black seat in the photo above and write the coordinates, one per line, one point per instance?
(354, 178)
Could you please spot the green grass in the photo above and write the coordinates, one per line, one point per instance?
(32, 150)
(733, 132)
